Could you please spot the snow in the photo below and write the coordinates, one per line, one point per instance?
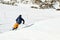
(44, 30)
(6, 0)
(46, 23)
(56, 5)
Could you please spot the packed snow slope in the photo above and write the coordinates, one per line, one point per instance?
(44, 30)
(46, 23)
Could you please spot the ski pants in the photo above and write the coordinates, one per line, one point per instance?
(16, 25)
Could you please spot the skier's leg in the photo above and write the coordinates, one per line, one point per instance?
(15, 26)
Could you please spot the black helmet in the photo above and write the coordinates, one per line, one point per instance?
(20, 15)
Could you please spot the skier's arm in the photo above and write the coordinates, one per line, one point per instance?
(23, 21)
(17, 18)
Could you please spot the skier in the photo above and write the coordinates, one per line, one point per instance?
(18, 22)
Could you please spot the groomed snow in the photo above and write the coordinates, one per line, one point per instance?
(45, 30)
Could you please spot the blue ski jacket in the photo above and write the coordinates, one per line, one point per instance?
(20, 19)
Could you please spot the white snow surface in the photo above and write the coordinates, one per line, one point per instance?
(46, 23)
